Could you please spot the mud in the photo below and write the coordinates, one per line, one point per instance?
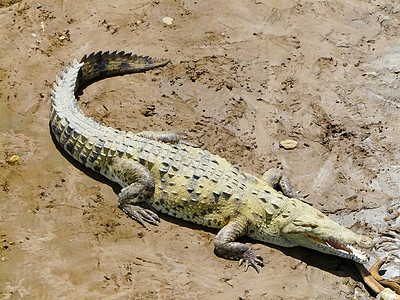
(244, 76)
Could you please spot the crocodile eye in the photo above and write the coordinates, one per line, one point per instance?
(320, 215)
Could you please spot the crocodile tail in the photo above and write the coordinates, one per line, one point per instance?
(84, 138)
(105, 64)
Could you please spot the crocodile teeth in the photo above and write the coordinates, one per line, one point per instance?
(338, 246)
(348, 251)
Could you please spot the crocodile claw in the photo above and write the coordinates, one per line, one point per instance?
(250, 259)
(140, 214)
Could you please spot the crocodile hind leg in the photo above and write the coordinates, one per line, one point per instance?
(279, 181)
(225, 246)
(141, 187)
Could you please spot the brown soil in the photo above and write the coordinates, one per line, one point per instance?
(245, 75)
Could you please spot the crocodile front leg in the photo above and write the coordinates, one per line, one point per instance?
(225, 246)
(141, 186)
(279, 181)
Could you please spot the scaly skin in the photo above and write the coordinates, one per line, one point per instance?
(160, 168)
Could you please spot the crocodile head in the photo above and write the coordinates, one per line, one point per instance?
(306, 226)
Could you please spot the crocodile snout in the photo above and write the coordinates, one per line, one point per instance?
(366, 242)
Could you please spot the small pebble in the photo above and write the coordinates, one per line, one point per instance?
(13, 159)
(370, 73)
(288, 144)
(167, 20)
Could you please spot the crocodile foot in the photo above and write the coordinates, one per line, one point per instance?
(251, 259)
(140, 214)
(280, 182)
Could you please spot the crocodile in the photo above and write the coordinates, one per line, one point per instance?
(163, 172)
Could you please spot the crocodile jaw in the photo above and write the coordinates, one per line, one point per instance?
(334, 247)
(310, 228)
(335, 240)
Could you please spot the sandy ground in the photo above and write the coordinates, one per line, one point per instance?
(244, 76)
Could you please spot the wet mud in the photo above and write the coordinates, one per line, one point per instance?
(244, 76)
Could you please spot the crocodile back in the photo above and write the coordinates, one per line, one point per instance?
(190, 182)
